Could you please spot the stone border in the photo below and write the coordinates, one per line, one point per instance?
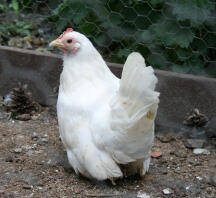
(180, 93)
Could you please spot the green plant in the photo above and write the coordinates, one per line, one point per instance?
(3, 5)
(20, 27)
(18, 5)
(173, 35)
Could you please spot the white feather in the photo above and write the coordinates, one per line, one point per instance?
(105, 121)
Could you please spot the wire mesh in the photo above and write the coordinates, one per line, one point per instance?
(176, 35)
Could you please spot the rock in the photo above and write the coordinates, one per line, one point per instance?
(44, 140)
(23, 117)
(181, 153)
(167, 191)
(211, 178)
(194, 143)
(17, 150)
(35, 117)
(28, 38)
(142, 195)
(156, 154)
(42, 49)
(35, 136)
(28, 187)
(9, 159)
(199, 178)
(15, 42)
(194, 162)
(27, 45)
(165, 138)
(164, 172)
(199, 151)
(27, 147)
(6, 194)
(37, 41)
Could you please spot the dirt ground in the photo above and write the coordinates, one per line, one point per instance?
(33, 163)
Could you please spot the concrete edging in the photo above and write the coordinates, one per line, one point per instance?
(180, 93)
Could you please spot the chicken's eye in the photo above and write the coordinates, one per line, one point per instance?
(69, 41)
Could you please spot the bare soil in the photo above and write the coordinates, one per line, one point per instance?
(33, 163)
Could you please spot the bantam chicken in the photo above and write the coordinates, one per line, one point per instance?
(106, 124)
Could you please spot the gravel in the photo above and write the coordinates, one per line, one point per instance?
(33, 163)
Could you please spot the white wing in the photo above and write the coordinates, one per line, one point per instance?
(125, 126)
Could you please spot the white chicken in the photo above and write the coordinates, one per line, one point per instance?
(106, 124)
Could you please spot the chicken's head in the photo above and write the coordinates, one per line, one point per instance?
(69, 41)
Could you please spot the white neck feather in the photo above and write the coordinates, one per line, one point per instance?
(86, 65)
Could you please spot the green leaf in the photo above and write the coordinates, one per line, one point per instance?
(158, 60)
(2, 7)
(183, 54)
(79, 16)
(15, 5)
(192, 65)
(123, 53)
(27, 26)
(101, 40)
(169, 32)
(146, 36)
(27, 32)
(156, 2)
(115, 18)
(180, 68)
(196, 11)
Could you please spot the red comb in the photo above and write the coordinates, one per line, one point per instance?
(66, 31)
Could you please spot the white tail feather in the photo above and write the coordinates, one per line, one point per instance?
(133, 110)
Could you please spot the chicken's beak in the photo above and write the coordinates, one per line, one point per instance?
(57, 43)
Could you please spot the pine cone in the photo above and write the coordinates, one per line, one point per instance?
(195, 118)
(19, 102)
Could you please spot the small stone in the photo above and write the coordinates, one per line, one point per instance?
(142, 195)
(77, 191)
(37, 41)
(23, 117)
(156, 154)
(165, 138)
(211, 178)
(199, 178)
(164, 172)
(15, 42)
(26, 147)
(28, 38)
(30, 153)
(199, 151)
(27, 187)
(35, 136)
(44, 140)
(194, 143)
(35, 117)
(42, 49)
(180, 154)
(194, 162)
(9, 159)
(17, 150)
(27, 45)
(167, 191)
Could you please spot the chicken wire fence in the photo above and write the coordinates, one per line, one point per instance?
(176, 35)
